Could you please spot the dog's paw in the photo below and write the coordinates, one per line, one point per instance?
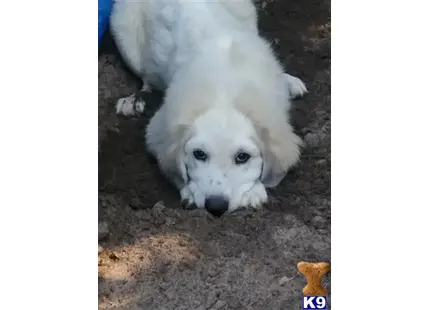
(192, 197)
(130, 106)
(296, 87)
(256, 197)
(187, 199)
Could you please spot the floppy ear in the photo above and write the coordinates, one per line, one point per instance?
(279, 144)
(171, 126)
(281, 151)
(166, 143)
(172, 158)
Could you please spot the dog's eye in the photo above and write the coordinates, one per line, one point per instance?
(242, 158)
(200, 155)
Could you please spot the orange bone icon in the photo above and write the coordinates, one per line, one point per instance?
(313, 273)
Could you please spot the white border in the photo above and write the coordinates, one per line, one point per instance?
(380, 155)
(48, 127)
(380, 142)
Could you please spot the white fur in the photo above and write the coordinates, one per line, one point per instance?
(130, 106)
(225, 92)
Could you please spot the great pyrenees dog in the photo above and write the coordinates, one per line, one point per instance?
(222, 135)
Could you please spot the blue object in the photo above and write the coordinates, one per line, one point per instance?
(105, 8)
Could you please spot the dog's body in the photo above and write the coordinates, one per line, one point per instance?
(222, 134)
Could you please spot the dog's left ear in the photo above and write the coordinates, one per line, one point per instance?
(281, 151)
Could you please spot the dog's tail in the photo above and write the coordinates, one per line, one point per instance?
(127, 25)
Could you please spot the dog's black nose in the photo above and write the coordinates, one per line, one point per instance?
(216, 205)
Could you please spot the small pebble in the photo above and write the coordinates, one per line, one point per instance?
(146, 225)
(158, 208)
(321, 162)
(113, 256)
(170, 222)
(135, 203)
(318, 221)
(283, 280)
(312, 140)
(158, 221)
(173, 213)
(197, 213)
(103, 230)
(170, 294)
(219, 304)
(210, 300)
(143, 215)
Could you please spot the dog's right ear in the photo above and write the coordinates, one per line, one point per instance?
(280, 146)
(166, 144)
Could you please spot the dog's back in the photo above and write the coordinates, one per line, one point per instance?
(155, 36)
(127, 26)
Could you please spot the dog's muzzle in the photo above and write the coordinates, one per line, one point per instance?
(216, 205)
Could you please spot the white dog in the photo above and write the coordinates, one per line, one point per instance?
(223, 133)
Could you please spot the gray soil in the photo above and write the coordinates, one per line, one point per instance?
(154, 255)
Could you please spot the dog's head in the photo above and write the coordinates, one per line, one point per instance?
(223, 155)
(223, 159)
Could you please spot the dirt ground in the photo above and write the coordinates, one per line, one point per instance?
(154, 255)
